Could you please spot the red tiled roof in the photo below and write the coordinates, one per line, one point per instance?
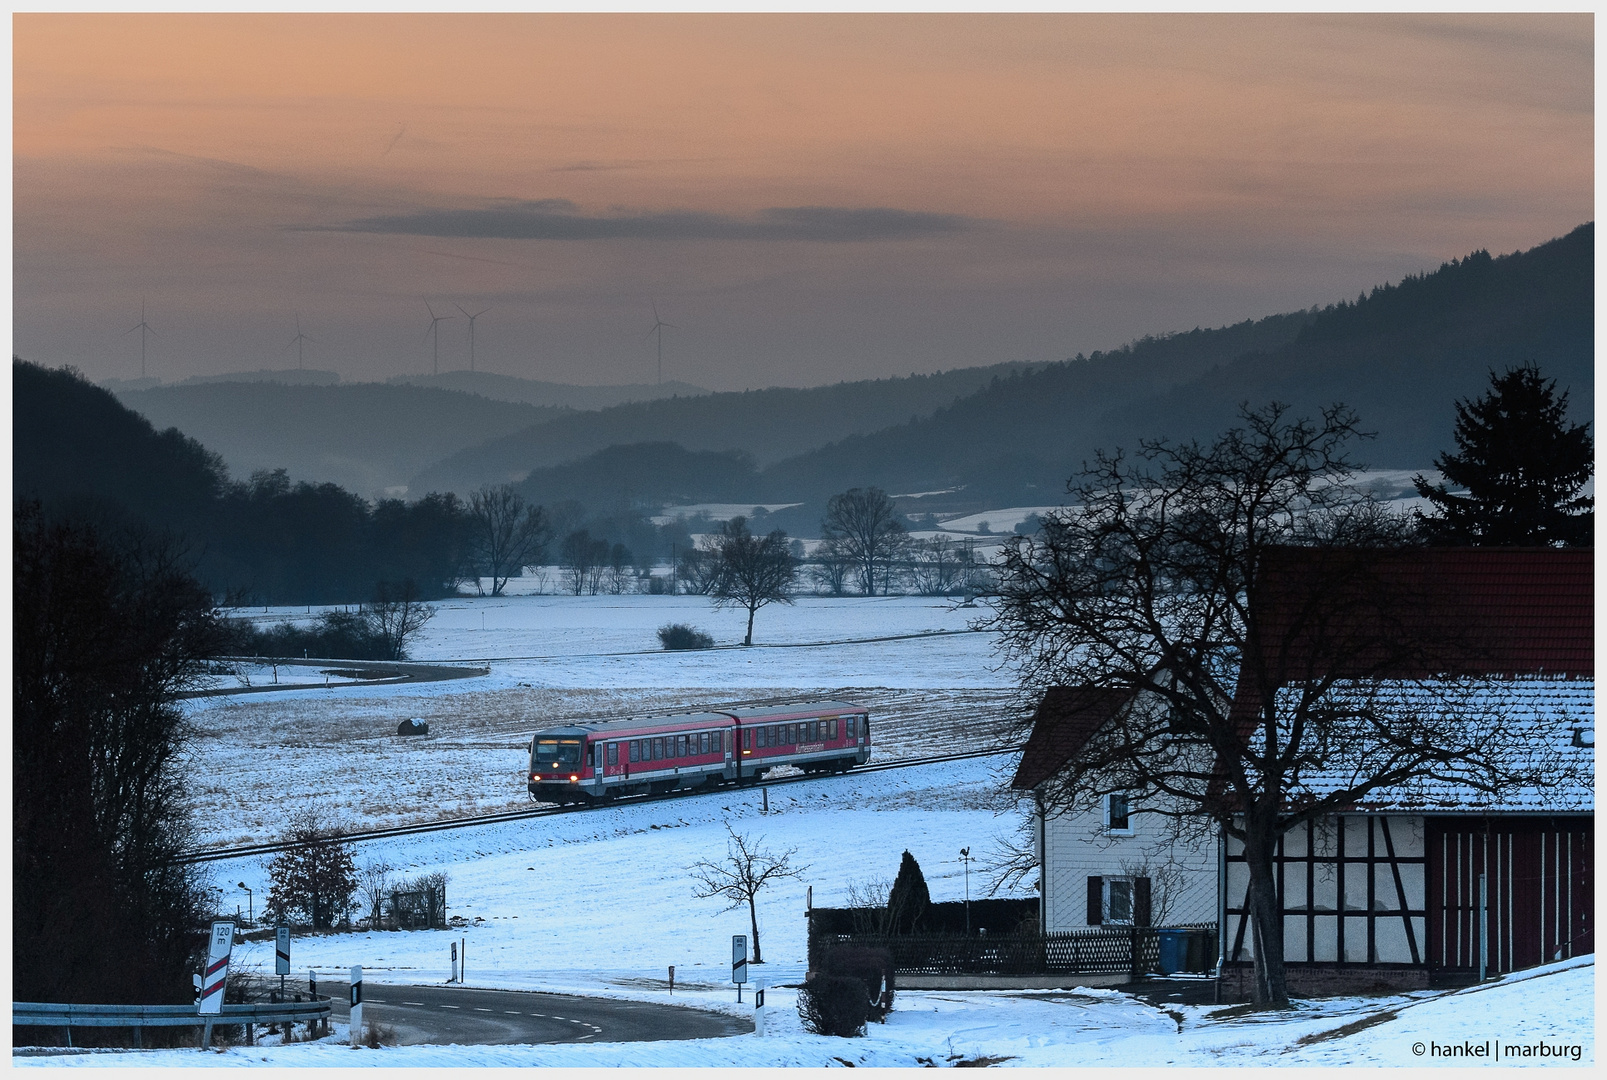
(1066, 718)
(1475, 611)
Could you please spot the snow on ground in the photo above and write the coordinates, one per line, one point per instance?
(601, 902)
(932, 687)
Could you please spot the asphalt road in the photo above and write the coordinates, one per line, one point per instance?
(443, 1015)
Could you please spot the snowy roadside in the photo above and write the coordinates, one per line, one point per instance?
(1045, 1029)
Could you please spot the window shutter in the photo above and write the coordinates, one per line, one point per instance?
(1096, 901)
(1141, 901)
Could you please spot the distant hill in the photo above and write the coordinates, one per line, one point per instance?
(1400, 356)
(367, 437)
(640, 475)
(769, 425)
(82, 454)
(557, 395)
(289, 376)
(74, 446)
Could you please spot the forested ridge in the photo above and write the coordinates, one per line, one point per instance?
(82, 455)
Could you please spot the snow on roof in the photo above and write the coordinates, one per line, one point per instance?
(1530, 724)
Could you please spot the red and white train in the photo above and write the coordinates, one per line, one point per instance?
(593, 761)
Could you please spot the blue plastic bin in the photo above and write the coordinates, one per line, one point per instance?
(1174, 951)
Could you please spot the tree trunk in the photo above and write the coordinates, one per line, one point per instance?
(753, 919)
(1271, 988)
(749, 639)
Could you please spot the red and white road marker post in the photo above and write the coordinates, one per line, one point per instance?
(215, 977)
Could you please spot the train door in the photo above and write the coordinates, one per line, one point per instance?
(597, 756)
(729, 739)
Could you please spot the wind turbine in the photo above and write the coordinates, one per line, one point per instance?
(659, 326)
(471, 319)
(144, 328)
(298, 340)
(435, 320)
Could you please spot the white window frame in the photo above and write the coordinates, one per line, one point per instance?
(1132, 901)
(1109, 828)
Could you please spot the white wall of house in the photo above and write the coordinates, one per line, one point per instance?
(1079, 846)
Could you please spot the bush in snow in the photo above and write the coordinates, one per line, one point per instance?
(682, 636)
(871, 967)
(834, 1005)
(908, 898)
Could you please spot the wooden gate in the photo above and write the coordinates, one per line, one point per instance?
(1540, 890)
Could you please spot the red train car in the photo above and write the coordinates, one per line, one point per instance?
(592, 761)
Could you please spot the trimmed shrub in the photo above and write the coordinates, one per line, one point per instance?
(907, 900)
(682, 636)
(834, 1005)
(872, 967)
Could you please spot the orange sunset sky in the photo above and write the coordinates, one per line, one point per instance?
(806, 198)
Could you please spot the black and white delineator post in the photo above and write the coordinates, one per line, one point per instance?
(281, 955)
(215, 977)
(739, 961)
(454, 977)
(758, 1008)
(357, 1004)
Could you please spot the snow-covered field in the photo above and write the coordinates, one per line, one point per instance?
(601, 902)
(931, 683)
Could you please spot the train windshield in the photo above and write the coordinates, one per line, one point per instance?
(558, 751)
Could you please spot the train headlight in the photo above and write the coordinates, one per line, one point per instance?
(535, 776)
(573, 777)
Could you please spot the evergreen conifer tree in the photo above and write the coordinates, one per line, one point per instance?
(907, 900)
(1522, 466)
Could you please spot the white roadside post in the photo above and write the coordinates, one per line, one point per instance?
(357, 1004)
(281, 955)
(216, 976)
(739, 961)
(758, 1008)
(454, 977)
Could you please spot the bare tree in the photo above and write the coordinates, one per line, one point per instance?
(1144, 585)
(746, 869)
(753, 571)
(374, 882)
(1012, 858)
(936, 566)
(865, 527)
(1165, 876)
(508, 533)
(697, 569)
(396, 616)
(583, 559)
(867, 900)
(831, 568)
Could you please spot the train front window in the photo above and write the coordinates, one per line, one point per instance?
(558, 751)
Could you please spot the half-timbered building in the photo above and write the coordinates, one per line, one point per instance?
(1424, 882)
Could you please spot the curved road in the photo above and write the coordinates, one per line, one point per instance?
(443, 1015)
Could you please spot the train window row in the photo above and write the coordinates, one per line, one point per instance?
(671, 747)
(699, 744)
(808, 731)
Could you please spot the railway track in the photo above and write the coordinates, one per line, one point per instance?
(548, 810)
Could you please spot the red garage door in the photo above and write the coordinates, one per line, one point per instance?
(1540, 890)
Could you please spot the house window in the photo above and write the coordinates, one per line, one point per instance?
(1119, 900)
(1117, 819)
